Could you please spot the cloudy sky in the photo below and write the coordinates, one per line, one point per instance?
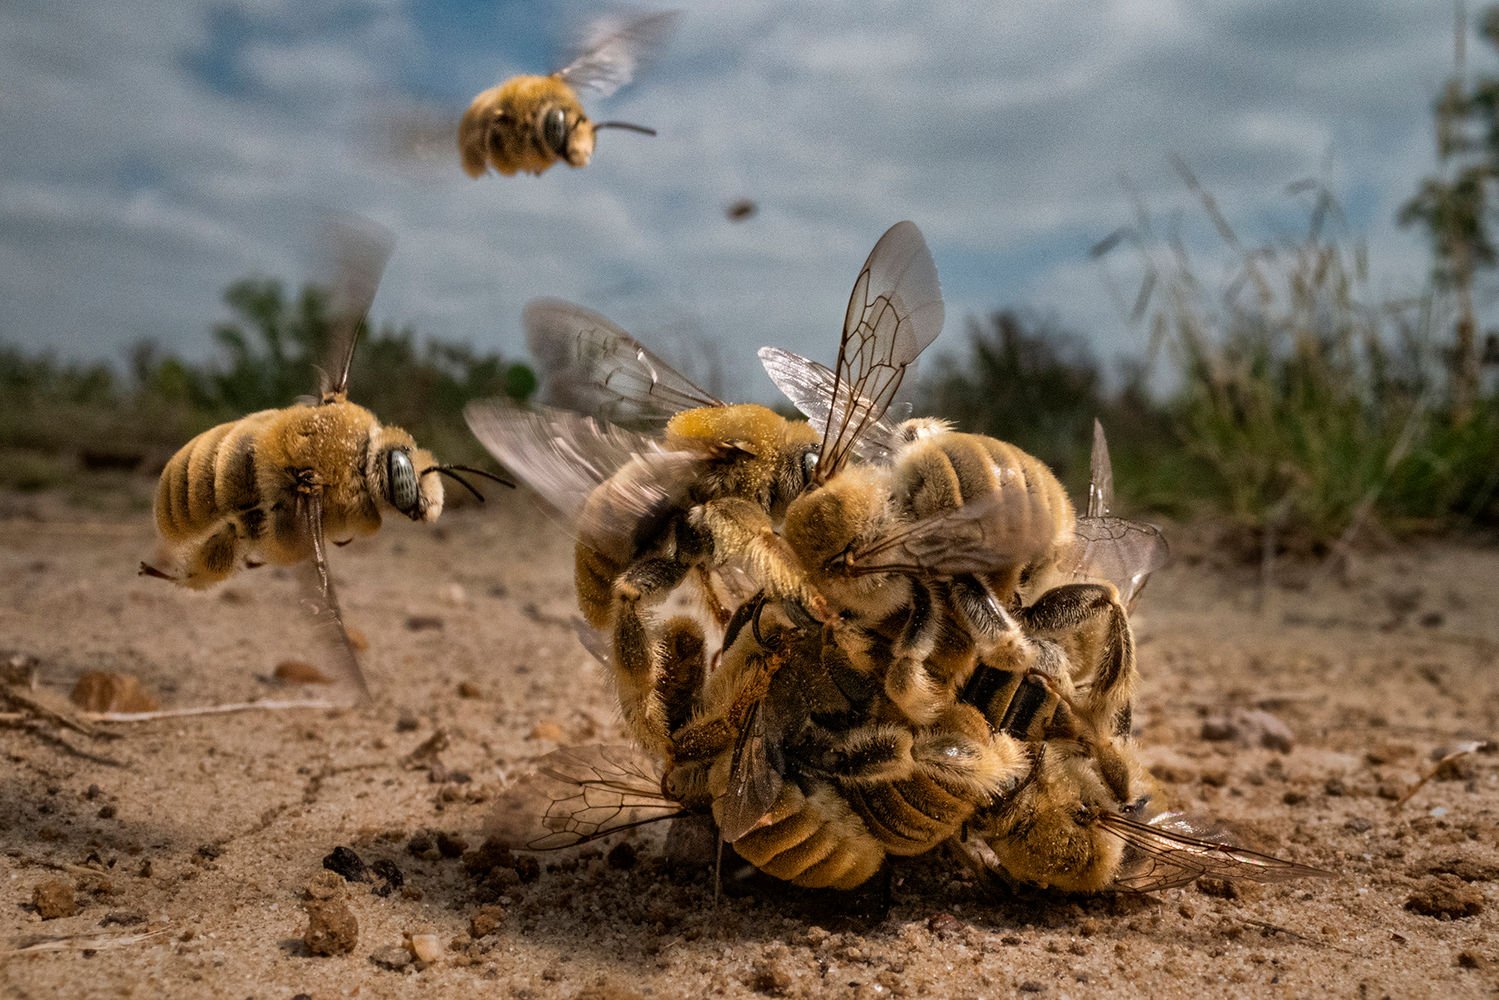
(152, 152)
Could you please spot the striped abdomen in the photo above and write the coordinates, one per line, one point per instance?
(812, 838)
(945, 471)
(210, 479)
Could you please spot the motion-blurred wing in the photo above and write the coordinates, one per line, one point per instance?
(610, 486)
(982, 536)
(894, 312)
(359, 249)
(1171, 851)
(616, 51)
(323, 599)
(592, 366)
(810, 387)
(578, 794)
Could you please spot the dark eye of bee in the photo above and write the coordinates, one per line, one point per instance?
(401, 487)
(554, 131)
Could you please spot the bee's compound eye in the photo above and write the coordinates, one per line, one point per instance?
(401, 487)
(554, 131)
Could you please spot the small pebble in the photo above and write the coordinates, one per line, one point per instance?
(392, 956)
(54, 898)
(344, 861)
(425, 947)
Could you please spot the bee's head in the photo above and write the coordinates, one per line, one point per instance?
(403, 475)
(567, 133)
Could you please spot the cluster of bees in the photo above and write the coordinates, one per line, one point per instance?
(895, 635)
(889, 636)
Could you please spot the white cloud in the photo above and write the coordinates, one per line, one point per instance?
(132, 191)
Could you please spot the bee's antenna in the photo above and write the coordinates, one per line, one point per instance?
(626, 125)
(451, 471)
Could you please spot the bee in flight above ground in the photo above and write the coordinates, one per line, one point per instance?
(276, 485)
(529, 123)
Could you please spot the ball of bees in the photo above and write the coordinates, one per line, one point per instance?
(528, 123)
(276, 485)
(923, 644)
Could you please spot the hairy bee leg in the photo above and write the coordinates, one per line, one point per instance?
(637, 654)
(683, 669)
(741, 528)
(214, 559)
(869, 754)
(908, 683)
(1088, 621)
(716, 608)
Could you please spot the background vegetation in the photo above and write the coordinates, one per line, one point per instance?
(1283, 397)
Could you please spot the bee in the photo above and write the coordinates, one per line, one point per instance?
(528, 123)
(712, 488)
(275, 485)
(874, 539)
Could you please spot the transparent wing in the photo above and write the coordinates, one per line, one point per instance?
(982, 536)
(894, 312)
(1101, 480)
(359, 249)
(810, 387)
(592, 366)
(1172, 851)
(610, 486)
(1120, 551)
(754, 785)
(578, 794)
(615, 51)
(323, 599)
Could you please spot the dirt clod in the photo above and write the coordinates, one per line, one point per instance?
(470, 690)
(325, 885)
(772, 978)
(345, 862)
(485, 921)
(1446, 897)
(621, 856)
(422, 623)
(388, 877)
(54, 898)
(547, 729)
(331, 927)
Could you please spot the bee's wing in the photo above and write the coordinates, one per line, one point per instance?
(323, 599)
(592, 366)
(1101, 479)
(360, 249)
(1171, 851)
(810, 387)
(982, 536)
(754, 785)
(608, 485)
(578, 794)
(615, 51)
(1121, 551)
(894, 312)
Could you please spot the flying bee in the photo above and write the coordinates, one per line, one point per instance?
(275, 485)
(529, 123)
(712, 489)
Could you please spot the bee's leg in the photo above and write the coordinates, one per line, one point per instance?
(683, 668)
(1087, 621)
(873, 754)
(961, 754)
(637, 654)
(908, 683)
(753, 663)
(716, 608)
(740, 528)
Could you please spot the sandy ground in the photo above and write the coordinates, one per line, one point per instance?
(206, 830)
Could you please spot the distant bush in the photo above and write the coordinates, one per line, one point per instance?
(270, 351)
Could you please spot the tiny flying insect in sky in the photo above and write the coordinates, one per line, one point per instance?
(528, 123)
